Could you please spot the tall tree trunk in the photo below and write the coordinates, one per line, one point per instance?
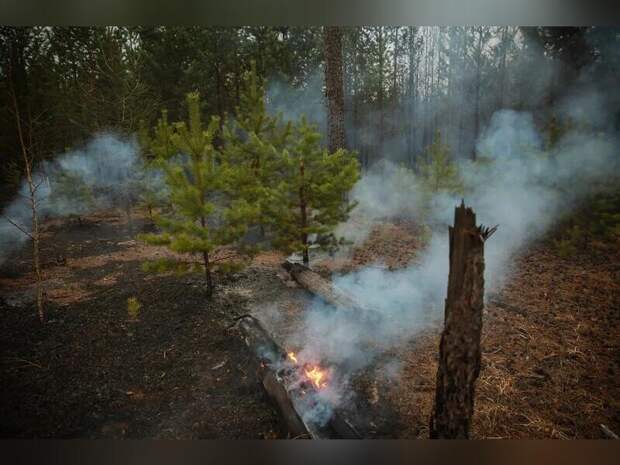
(303, 214)
(477, 94)
(381, 96)
(395, 66)
(501, 100)
(354, 96)
(459, 350)
(411, 103)
(218, 79)
(334, 88)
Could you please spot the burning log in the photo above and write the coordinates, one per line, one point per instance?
(459, 350)
(321, 287)
(293, 388)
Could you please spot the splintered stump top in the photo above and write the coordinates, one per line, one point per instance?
(459, 350)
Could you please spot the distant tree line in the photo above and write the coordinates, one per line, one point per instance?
(400, 85)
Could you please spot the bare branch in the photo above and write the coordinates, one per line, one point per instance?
(18, 227)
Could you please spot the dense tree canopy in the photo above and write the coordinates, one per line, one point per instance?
(401, 84)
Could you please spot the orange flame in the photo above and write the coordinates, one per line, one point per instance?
(316, 376)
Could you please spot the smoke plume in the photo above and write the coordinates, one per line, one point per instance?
(107, 167)
(520, 184)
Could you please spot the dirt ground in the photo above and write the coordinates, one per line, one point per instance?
(90, 372)
(550, 358)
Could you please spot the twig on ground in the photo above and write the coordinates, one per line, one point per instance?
(27, 362)
(609, 433)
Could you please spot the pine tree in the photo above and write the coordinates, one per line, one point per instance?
(252, 145)
(437, 169)
(153, 193)
(201, 217)
(71, 195)
(311, 194)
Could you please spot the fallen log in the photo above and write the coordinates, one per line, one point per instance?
(294, 397)
(323, 288)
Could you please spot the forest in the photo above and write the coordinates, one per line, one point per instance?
(310, 233)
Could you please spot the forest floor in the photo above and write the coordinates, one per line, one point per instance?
(550, 363)
(550, 358)
(90, 372)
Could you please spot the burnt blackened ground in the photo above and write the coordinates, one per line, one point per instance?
(180, 371)
(89, 372)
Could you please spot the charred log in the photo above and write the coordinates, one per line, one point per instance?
(459, 350)
(294, 399)
(323, 288)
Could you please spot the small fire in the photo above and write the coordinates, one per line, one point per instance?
(316, 376)
(312, 372)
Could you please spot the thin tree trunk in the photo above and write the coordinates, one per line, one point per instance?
(380, 97)
(477, 94)
(205, 257)
(395, 66)
(206, 263)
(502, 68)
(459, 350)
(411, 104)
(303, 214)
(32, 188)
(334, 88)
(218, 85)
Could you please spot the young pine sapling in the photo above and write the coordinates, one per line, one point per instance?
(201, 217)
(311, 194)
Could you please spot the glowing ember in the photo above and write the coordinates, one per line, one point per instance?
(291, 355)
(316, 376)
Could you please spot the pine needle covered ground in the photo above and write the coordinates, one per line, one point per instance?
(551, 360)
(171, 369)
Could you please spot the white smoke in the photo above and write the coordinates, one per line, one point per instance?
(520, 186)
(107, 166)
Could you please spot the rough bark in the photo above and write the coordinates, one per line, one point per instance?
(459, 350)
(334, 88)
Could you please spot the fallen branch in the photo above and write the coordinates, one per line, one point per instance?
(609, 433)
(23, 230)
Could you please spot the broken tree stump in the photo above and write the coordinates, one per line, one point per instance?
(295, 399)
(459, 349)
